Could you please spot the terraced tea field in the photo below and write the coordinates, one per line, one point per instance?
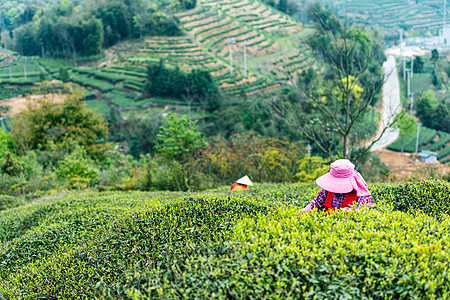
(208, 27)
(429, 139)
(273, 49)
(425, 16)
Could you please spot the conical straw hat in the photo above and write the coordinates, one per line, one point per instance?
(245, 180)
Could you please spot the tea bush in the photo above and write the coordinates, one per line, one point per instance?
(8, 202)
(249, 244)
(367, 255)
(429, 196)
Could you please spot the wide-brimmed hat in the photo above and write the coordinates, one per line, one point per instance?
(245, 180)
(343, 178)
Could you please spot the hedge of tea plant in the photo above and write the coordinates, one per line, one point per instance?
(7, 202)
(248, 244)
(431, 197)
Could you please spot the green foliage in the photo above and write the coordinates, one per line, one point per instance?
(179, 137)
(101, 85)
(332, 106)
(64, 124)
(64, 75)
(255, 244)
(431, 197)
(418, 64)
(197, 86)
(9, 164)
(69, 251)
(310, 168)
(65, 33)
(6, 143)
(262, 159)
(426, 136)
(188, 4)
(432, 113)
(407, 126)
(7, 202)
(11, 92)
(76, 171)
(444, 138)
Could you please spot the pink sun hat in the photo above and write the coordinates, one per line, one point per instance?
(343, 178)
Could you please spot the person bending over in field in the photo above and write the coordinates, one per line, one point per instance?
(241, 184)
(342, 188)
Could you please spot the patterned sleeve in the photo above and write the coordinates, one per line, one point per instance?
(319, 202)
(365, 201)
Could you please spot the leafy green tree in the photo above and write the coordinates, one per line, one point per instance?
(75, 169)
(63, 124)
(188, 4)
(435, 79)
(116, 20)
(6, 143)
(310, 168)
(64, 75)
(26, 40)
(178, 137)
(440, 117)
(418, 64)
(138, 133)
(283, 5)
(434, 55)
(9, 164)
(407, 126)
(93, 36)
(424, 107)
(196, 86)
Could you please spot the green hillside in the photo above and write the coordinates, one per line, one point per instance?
(255, 244)
(429, 139)
(389, 16)
(118, 77)
(16, 13)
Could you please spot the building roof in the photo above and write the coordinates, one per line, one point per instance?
(426, 153)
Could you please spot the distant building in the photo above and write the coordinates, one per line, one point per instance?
(428, 156)
(444, 36)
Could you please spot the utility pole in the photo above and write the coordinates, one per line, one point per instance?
(417, 137)
(408, 75)
(412, 66)
(404, 59)
(412, 104)
(3, 124)
(230, 42)
(401, 53)
(25, 70)
(245, 44)
(444, 45)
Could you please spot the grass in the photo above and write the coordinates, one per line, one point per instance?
(98, 106)
(420, 82)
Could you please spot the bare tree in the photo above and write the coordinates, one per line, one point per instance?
(333, 102)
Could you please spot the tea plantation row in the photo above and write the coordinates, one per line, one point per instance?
(218, 244)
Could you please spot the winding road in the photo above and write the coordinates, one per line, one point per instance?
(391, 105)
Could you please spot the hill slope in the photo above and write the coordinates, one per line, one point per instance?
(389, 16)
(118, 79)
(254, 243)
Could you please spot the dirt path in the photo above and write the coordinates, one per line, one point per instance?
(403, 166)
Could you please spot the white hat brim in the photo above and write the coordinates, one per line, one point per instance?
(245, 180)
